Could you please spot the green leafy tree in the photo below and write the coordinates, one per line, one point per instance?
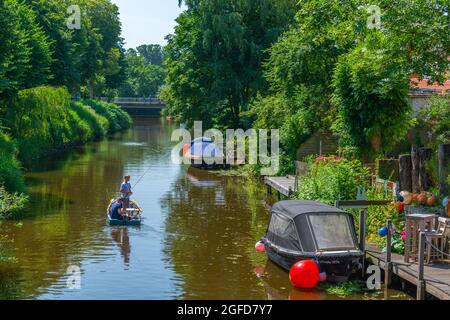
(371, 95)
(371, 81)
(299, 71)
(142, 79)
(105, 44)
(25, 56)
(436, 118)
(152, 53)
(215, 56)
(344, 76)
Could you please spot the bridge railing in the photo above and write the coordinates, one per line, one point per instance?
(124, 100)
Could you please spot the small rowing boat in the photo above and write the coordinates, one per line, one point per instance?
(131, 218)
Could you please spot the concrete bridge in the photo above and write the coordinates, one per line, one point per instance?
(141, 106)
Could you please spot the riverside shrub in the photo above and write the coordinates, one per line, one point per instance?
(43, 119)
(10, 176)
(331, 179)
(118, 119)
(98, 124)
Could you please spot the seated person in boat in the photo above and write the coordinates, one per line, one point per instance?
(125, 190)
(117, 210)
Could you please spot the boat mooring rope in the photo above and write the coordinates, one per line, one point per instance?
(430, 243)
(427, 240)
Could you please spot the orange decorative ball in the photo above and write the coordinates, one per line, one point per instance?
(431, 201)
(422, 199)
(407, 199)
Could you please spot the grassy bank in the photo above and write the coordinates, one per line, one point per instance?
(44, 120)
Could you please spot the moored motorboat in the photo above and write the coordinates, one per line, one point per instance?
(205, 154)
(301, 230)
(133, 216)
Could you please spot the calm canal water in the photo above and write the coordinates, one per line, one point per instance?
(197, 240)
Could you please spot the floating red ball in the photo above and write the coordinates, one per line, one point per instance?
(260, 247)
(305, 274)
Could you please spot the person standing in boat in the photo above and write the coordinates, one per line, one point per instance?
(125, 190)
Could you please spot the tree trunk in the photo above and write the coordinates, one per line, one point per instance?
(424, 179)
(91, 89)
(405, 180)
(415, 169)
(444, 169)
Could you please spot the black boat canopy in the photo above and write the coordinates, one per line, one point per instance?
(310, 227)
(293, 209)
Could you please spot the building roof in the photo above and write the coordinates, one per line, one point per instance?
(422, 87)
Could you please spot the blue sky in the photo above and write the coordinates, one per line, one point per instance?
(147, 21)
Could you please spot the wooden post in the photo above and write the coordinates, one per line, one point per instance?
(407, 240)
(424, 179)
(444, 168)
(415, 169)
(405, 170)
(362, 238)
(388, 266)
(421, 261)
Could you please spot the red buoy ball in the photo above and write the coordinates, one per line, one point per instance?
(186, 148)
(305, 274)
(260, 247)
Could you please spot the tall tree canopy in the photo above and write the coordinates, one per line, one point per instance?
(215, 56)
(337, 72)
(44, 50)
(25, 55)
(152, 53)
(143, 79)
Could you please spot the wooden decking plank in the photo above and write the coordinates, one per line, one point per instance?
(437, 276)
(284, 185)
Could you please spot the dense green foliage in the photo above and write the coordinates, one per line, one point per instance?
(12, 184)
(25, 55)
(43, 118)
(10, 175)
(11, 203)
(97, 124)
(37, 118)
(330, 180)
(371, 95)
(215, 56)
(436, 118)
(39, 49)
(117, 118)
(41, 60)
(341, 75)
(144, 73)
(152, 54)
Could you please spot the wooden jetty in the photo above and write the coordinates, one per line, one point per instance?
(285, 186)
(436, 277)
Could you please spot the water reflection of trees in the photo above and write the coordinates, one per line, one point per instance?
(209, 237)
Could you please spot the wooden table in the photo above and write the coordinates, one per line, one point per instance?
(419, 223)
